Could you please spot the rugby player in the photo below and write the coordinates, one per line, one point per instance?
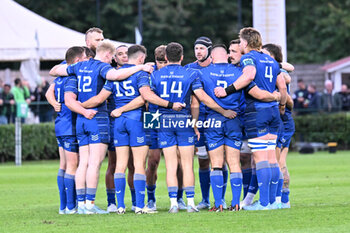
(261, 118)
(176, 83)
(287, 129)
(66, 135)
(202, 49)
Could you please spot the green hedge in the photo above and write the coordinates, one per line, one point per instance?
(39, 141)
(324, 128)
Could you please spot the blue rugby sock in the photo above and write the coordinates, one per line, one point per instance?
(236, 187)
(217, 183)
(151, 190)
(69, 183)
(110, 196)
(90, 194)
(275, 174)
(285, 195)
(247, 174)
(119, 184)
(180, 193)
(279, 188)
(204, 180)
(140, 187)
(225, 176)
(133, 196)
(61, 189)
(81, 196)
(263, 174)
(253, 185)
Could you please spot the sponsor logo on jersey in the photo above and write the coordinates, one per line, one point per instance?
(248, 61)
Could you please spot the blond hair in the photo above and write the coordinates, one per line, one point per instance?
(106, 46)
(91, 30)
(252, 36)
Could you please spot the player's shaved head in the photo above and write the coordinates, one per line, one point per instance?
(219, 54)
(136, 50)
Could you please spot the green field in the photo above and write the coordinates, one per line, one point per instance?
(320, 199)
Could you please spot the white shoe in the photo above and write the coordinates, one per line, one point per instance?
(203, 205)
(144, 210)
(121, 210)
(224, 205)
(72, 211)
(62, 211)
(112, 208)
(192, 209)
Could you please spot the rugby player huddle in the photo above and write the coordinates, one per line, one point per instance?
(231, 109)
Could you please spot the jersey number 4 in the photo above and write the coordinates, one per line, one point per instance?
(175, 89)
(268, 73)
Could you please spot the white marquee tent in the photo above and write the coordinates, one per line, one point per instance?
(29, 38)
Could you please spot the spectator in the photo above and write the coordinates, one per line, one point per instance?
(299, 97)
(42, 107)
(7, 106)
(313, 101)
(1, 86)
(330, 102)
(21, 95)
(345, 97)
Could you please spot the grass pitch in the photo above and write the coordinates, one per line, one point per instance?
(320, 199)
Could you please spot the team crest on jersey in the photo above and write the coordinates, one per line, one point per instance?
(94, 137)
(248, 61)
(140, 139)
(66, 144)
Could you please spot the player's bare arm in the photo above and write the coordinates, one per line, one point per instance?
(50, 96)
(282, 88)
(121, 74)
(195, 113)
(263, 95)
(134, 104)
(59, 70)
(72, 103)
(243, 81)
(151, 97)
(208, 101)
(97, 100)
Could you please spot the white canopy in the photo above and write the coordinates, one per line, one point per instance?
(26, 36)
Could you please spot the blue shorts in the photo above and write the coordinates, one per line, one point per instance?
(152, 135)
(230, 134)
(111, 134)
(286, 132)
(128, 132)
(94, 130)
(69, 143)
(171, 137)
(262, 121)
(202, 141)
(58, 142)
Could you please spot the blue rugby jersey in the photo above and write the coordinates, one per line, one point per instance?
(91, 77)
(66, 119)
(267, 70)
(221, 75)
(175, 84)
(127, 90)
